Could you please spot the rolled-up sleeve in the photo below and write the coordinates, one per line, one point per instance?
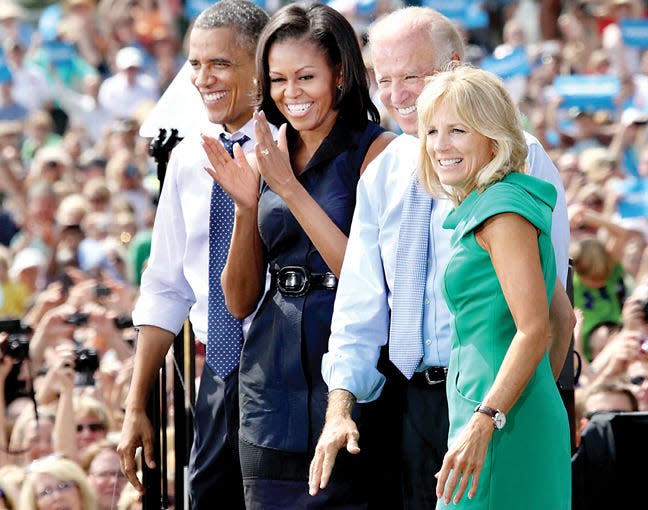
(165, 295)
(360, 325)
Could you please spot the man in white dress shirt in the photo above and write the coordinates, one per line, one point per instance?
(406, 46)
(175, 283)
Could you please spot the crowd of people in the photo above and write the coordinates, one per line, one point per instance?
(322, 126)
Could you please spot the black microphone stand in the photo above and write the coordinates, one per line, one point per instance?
(155, 479)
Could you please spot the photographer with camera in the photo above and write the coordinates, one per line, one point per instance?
(624, 348)
(6, 364)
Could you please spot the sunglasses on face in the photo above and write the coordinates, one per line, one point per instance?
(92, 427)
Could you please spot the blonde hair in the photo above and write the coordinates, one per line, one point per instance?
(85, 406)
(61, 469)
(591, 259)
(480, 101)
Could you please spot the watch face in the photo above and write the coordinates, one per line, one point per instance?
(500, 420)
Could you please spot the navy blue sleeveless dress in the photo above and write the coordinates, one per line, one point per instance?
(283, 397)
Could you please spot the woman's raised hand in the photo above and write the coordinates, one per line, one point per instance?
(273, 159)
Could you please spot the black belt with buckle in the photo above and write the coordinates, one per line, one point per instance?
(430, 376)
(298, 280)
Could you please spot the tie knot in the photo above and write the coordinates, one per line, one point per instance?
(228, 143)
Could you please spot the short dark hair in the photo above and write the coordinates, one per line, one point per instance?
(330, 31)
(614, 387)
(247, 18)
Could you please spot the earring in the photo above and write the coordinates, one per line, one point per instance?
(339, 87)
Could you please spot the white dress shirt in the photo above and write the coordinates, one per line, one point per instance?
(175, 281)
(360, 325)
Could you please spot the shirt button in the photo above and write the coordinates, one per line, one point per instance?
(427, 301)
(428, 342)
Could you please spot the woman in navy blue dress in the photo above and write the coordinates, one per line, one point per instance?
(313, 83)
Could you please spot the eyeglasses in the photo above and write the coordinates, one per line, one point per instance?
(638, 380)
(59, 487)
(92, 427)
(108, 474)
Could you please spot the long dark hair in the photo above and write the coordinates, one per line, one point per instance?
(331, 32)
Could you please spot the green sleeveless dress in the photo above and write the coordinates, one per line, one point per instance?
(528, 462)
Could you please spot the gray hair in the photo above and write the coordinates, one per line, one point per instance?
(245, 17)
(445, 39)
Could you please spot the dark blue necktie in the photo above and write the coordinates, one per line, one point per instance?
(224, 334)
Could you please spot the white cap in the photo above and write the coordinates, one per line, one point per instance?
(128, 57)
(24, 259)
(633, 115)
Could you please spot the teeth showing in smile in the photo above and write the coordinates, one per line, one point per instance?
(298, 108)
(214, 97)
(448, 162)
(406, 111)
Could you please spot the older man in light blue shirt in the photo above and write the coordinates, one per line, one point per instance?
(407, 46)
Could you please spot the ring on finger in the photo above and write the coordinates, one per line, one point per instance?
(265, 152)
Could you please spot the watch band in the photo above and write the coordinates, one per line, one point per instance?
(497, 416)
(481, 408)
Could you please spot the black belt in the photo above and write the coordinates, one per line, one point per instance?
(298, 280)
(432, 376)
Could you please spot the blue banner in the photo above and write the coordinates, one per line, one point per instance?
(467, 12)
(515, 63)
(5, 73)
(587, 91)
(60, 53)
(635, 32)
(633, 202)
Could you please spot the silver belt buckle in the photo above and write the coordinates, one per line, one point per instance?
(432, 382)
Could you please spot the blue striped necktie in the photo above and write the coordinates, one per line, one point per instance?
(410, 275)
(224, 333)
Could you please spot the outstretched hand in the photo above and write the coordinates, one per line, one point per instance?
(339, 431)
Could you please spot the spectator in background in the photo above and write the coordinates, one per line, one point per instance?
(7, 498)
(31, 439)
(637, 376)
(10, 110)
(13, 295)
(599, 287)
(81, 28)
(605, 397)
(121, 94)
(130, 499)
(8, 227)
(54, 482)
(166, 59)
(125, 178)
(30, 87)
(13, 24)
(39, 132)
(624, 60)
(101, 463)
(52, 166)
(83, 108)
(28, 271)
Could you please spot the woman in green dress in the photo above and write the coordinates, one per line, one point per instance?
(509, 434)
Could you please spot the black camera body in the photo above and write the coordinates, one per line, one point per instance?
(85, 365)
(86, 360)
(17, 347)
(77, 319)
